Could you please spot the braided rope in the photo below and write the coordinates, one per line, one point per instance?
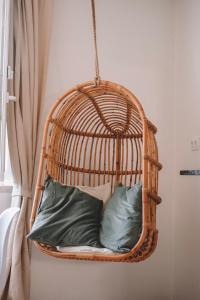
(97, 78)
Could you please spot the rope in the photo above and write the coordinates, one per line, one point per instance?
(97, 78)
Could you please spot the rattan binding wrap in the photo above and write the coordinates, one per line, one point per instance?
(96, 134)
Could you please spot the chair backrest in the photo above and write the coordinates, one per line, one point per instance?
(6, 218)
(95, 136)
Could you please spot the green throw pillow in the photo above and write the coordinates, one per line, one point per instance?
(67, 217)
(122, 221)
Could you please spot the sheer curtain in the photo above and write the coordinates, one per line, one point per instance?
(29, 43)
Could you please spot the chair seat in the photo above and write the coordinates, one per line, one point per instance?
(6, 218)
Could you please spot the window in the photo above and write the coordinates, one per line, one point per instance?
(5, 74)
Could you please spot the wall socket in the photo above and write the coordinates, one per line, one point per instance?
(195, 143)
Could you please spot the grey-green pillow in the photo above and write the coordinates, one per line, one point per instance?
(122, 221)
(67, 217)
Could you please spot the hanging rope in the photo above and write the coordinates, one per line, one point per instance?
(97, 78)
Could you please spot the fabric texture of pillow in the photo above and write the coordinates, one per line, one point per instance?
(67, 216)
(101, 192)
(122, 220)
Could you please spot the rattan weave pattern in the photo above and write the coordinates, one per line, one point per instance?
(98, 133)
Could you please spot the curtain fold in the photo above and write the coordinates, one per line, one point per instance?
(29, 44)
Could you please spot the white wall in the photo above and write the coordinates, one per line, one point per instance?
(136, 50)
(187, 202)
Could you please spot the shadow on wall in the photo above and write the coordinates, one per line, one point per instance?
(83, 280)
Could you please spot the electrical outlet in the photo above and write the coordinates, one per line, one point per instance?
(195, 143)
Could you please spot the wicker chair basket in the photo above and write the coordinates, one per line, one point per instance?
(98, 133)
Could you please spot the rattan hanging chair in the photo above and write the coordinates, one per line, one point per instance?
(97, 133)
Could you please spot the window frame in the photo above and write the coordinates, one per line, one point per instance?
(5, 74)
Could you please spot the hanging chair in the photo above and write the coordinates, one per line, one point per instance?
(96, 133)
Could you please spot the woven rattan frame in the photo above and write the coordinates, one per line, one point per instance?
(95, 134)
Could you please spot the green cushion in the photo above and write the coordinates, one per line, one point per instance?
(67, 217)
(122, 221)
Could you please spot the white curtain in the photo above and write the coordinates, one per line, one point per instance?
(29, 43)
